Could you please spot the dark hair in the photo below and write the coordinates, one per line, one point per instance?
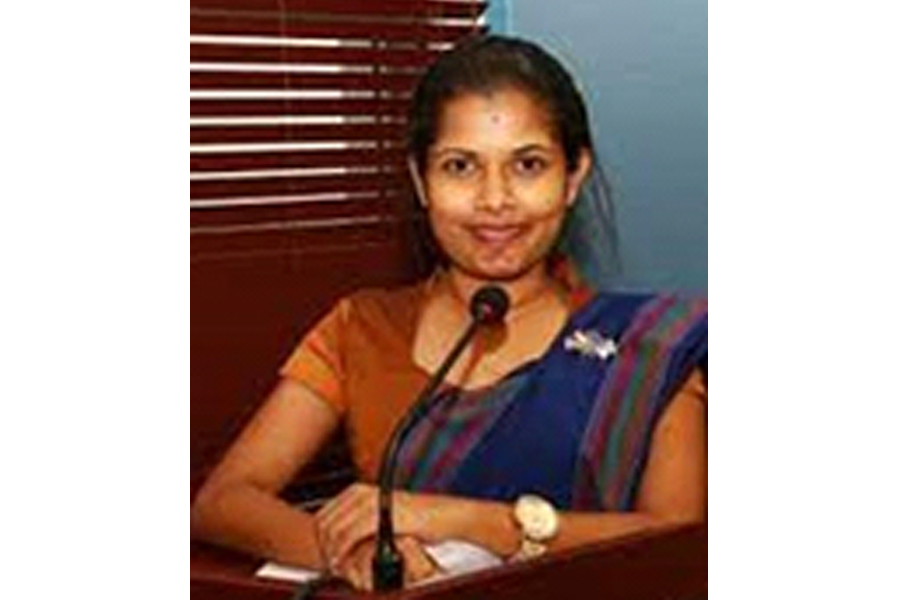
(491, 63)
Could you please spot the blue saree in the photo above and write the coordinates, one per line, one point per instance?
(573, 426)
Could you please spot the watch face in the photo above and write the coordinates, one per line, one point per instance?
(537, 517)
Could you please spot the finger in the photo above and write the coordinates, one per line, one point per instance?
(367, 577)
(342, 534)
(337, 506)
(348, 571)
(354, 576)
(417, 562)
(337, 538)
(339, 517)
(354, 498)
(360, 521)
(347, 538)
(364, 553)
(357, 567)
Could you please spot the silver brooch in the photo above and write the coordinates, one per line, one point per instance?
(590, 343)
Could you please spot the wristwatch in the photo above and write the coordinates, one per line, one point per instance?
(538, 523)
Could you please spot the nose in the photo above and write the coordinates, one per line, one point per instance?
(495, 192)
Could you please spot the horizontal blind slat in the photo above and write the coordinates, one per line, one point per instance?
(337, 106)
(246, 53)
(292, 185)
(365, 207)
(395, 82)
(247, 161)
(411, 33)
(305, 133)
(440, 8)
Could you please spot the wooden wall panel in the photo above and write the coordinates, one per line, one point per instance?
(248, 311)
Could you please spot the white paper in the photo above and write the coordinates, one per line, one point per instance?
(454, 557)
(274, 570)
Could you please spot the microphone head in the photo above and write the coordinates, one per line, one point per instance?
(489, 305)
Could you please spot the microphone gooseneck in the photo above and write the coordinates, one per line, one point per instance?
(487, 307)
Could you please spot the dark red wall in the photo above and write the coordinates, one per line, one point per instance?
(252, 297)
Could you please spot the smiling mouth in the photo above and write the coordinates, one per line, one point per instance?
(496, 235)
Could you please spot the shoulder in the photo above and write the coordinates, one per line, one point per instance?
(663, 329)
(649, 310)
(634, 313)
(378, 312)
(371, 298)
(360, 321)
(664, 300)
(666, 319)
(389, 303)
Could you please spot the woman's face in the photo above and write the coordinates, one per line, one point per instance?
(496, 185)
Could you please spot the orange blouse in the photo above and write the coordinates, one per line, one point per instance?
(358, 359)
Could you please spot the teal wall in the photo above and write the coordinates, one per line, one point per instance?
(642, 65)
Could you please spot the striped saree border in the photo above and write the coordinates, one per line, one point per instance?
(619, 427)
(438, 445)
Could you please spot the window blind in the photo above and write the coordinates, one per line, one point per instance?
(298, 111)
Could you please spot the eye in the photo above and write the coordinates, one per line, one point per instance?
(458, 166)
(531, 165)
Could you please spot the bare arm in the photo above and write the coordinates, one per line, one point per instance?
(238, 506)
(672, 490)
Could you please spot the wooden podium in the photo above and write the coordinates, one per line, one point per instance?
(665, 565)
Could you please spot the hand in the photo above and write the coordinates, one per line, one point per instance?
(352, 516)
(356, 568)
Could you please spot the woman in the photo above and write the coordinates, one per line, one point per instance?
(581, 418)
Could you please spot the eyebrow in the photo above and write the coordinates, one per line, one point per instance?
(450, 150)
(466, 152)
(531, 148)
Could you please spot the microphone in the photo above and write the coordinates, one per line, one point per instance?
(488, 307)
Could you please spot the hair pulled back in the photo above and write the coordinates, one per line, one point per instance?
(488, 64)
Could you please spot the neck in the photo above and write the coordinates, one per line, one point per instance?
(532, 286)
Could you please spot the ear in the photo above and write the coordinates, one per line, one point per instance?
(419, 186)
(578, 176)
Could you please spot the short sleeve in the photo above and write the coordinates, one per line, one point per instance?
(695, 386)
(317, 362)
